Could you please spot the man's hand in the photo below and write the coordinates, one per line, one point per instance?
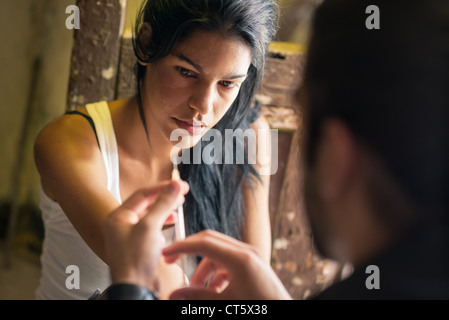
(133, 233)
(238, 271)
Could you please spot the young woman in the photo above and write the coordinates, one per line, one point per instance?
(199, 65)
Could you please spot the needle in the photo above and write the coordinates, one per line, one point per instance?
(180, 231)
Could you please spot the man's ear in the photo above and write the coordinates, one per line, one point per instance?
(143, 47)
(338, 158)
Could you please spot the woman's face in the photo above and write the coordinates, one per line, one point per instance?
(195, 85)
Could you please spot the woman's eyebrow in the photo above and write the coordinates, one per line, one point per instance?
(237, 76)
(193, 64)
(200, 69)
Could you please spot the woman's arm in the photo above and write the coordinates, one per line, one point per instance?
(258, 228)
(73, 174)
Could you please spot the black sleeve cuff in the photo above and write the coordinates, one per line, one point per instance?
(126, 291)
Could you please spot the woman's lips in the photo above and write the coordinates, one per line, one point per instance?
(193, 128)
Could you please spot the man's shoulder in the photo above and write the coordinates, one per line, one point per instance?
(416, 268)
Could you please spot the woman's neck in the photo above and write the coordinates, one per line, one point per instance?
(133, 142)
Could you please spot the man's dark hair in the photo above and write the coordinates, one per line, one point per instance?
(390, 86)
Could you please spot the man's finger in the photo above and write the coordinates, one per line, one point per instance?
(219, 281)
(167, 201)
(141, 200)
(229, 253)
(137, 205)
(203, 273)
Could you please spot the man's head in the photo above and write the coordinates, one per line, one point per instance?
(376, 139)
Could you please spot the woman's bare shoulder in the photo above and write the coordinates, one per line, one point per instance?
(64, 135)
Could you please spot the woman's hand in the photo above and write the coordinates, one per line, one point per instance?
(238, 272)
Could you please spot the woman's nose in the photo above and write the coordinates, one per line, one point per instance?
(202, 99)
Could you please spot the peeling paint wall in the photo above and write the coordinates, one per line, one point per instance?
(95, 56)
(30, 30)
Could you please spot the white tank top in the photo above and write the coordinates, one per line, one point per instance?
(63, 248)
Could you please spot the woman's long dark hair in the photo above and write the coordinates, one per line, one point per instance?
(215, 200)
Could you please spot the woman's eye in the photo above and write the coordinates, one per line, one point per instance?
(185, 72)
(229, 84)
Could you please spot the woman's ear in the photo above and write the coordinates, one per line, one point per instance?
(144, 39)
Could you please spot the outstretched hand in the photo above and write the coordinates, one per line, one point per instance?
(237, 270)
(133, 233)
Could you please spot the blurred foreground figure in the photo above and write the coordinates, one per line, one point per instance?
(377, 145)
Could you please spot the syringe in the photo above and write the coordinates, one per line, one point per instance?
(180, 231)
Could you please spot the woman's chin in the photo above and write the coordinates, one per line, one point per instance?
(187, 142)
